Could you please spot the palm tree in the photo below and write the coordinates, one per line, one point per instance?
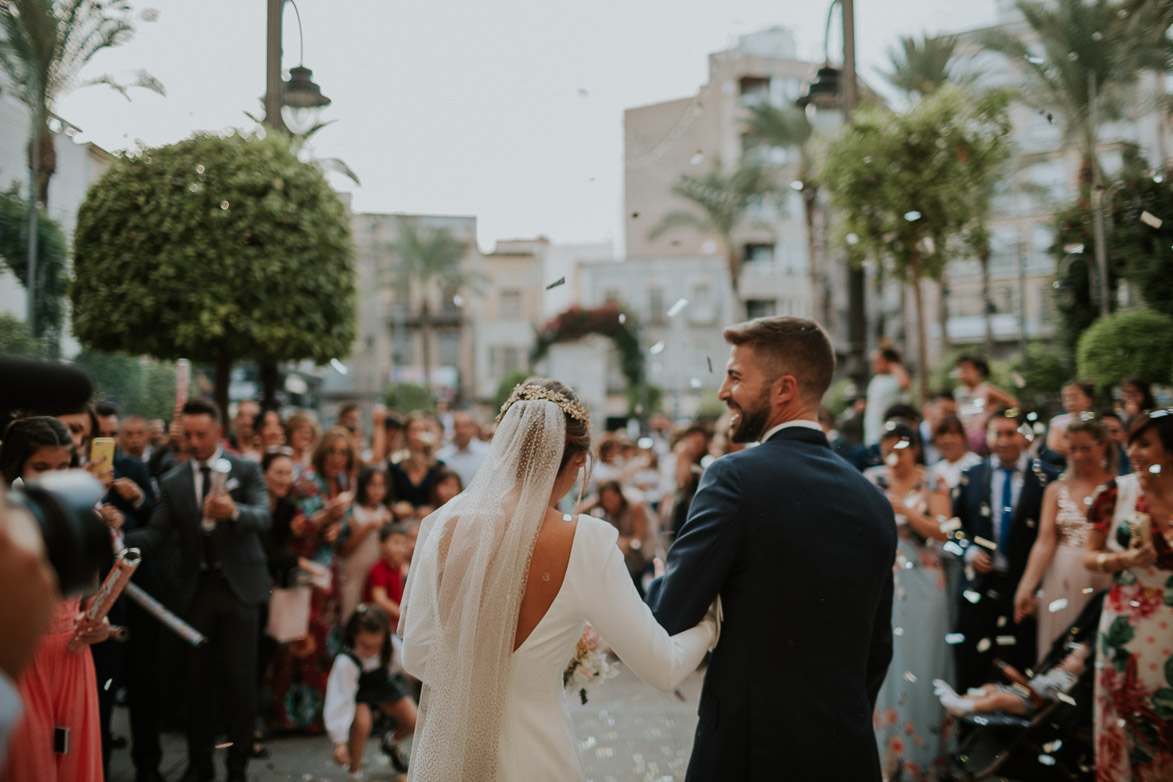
(47, 43)
(723, 200)
(919, 67)
(1080, 69)
(427, 257)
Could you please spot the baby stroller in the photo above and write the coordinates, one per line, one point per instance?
(1053, 743)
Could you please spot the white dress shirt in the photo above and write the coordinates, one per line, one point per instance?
(466, 462)
(198, 477)
(997, 479)
(797, 423)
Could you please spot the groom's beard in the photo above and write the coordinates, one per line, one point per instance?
(752, 423)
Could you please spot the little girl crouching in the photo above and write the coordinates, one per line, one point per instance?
(361, 681)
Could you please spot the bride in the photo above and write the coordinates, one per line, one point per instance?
(496, 597)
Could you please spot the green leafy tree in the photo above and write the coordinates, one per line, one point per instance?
(1043, 371)
(908, 185)
(1136, 251)
(409, 397)
(1138, 342)
(506, 385)
(720, 203)
(16, 339)
(47, 44)
(217, 249)
(53, 279)
(1084, 50)
(919, 67)
(136, 385)
(424, 258)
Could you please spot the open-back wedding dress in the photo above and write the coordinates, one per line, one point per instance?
(489, 712)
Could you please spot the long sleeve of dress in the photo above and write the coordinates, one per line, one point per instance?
(341, 689)
(616, 611)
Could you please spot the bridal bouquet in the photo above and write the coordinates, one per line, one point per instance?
(588, 665)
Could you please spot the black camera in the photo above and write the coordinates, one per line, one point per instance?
(76, 540)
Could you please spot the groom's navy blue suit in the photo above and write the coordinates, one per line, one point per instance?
(800, 546)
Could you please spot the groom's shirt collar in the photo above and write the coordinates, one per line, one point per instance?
(804, 423)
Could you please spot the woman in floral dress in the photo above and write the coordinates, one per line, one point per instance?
(1132, 517)
(297, 677)
(911, 725)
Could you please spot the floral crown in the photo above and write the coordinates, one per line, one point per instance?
(531, 392)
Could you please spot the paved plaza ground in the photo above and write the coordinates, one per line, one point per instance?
(628, 732)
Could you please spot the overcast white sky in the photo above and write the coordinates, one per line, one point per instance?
(508, 110)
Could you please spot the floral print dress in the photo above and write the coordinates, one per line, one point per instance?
(912, 728)
(1134, 653)
(299, 669)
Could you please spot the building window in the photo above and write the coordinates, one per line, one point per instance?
(759, 253)
(754, 90)
(656, 306)
(506, 359)
(761, 308)
(510, 304)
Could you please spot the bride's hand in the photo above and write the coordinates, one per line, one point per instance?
(657, 567)
(715, 615)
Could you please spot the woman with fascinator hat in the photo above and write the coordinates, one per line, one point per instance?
(499, 590)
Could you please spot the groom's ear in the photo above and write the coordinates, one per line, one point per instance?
(785, 391)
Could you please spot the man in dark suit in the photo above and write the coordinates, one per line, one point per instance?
(799, 546)
(218, 580)
(998, 503)
(128, 505)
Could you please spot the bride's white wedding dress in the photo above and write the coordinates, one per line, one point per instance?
(489, 712)
(536, 740)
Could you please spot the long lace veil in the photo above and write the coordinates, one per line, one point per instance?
(464, 590)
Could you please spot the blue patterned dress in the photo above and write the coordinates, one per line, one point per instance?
(912, 728)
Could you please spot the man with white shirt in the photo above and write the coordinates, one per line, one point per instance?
(998, 503)
(799, 546)
(210, 538)
(466, 451)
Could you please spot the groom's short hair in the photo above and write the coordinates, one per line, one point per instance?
(789, 346)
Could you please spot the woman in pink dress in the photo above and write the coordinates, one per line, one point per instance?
(59, 737)
(1132, 519)
(1057, 556)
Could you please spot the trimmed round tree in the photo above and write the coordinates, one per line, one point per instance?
(1136, 342)
(216, 249)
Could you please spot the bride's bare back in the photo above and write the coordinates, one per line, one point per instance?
(547, 570)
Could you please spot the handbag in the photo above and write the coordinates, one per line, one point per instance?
(289, 614)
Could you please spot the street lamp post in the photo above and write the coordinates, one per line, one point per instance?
(824, 92)
(300, 92)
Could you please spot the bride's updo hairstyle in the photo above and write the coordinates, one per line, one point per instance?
(578, 428)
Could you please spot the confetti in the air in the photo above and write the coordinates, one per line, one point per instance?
(1155, 469)
(622, 319)
(710, 360)
(677, 308)
(912, 216)
(955, 638)
(972, 596)
(985, 543)
(556, 283)
(983, 645)
(657, 349)
(339, 367)
(1057, 605)
(1006, 640)
(910, 677)
(1151, 220)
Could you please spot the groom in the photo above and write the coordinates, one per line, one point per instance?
(799, 546)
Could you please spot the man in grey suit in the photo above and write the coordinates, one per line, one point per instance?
(212, 544)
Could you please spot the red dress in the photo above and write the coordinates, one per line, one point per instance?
(385, 576)
(59, 690)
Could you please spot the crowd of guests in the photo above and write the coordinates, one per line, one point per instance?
(1010, 523)
(287, 545)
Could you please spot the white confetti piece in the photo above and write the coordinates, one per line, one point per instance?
(622, 318)
(1155, 469)
(339, 367)
(910, 677)
(912, 216)
(955, 638)
(983, 645)
(1001, 621)
(657, 349)
(949, 525)
(1006, 640)
(1088, 590)
(1052, 746)
(1056, 606)
(677, 308)
(972, 596)
(1046, 760)
(1151, 220)
(985, 543)
(897, 631)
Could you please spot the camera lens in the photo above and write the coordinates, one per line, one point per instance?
(77, 542)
